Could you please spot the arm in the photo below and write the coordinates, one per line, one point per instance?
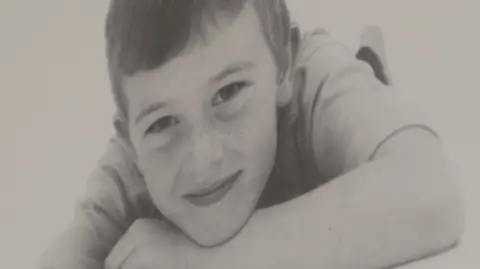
(395, 201)
(100, 219)
(397, 208)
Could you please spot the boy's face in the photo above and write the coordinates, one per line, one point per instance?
(203, 127)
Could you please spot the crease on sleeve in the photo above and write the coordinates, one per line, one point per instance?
(375, 116)
(355, 112)
(333, 113)
(103, 215)
(400, 130)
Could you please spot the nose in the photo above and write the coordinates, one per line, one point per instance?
(206, 153)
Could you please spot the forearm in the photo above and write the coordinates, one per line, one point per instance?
(387, 212)
(84, 244)
(99, 220)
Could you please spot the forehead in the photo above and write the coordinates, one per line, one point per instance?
(240, 41)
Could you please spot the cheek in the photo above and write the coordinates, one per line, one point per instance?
(263, 126)
(255, 132)
(263, 134)
(159, 151)
(160, 168)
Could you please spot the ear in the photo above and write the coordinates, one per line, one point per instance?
(289, 80)
(285, 91)
(294, 82)
(121, 128)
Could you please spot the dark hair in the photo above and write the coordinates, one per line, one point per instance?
(142, 35)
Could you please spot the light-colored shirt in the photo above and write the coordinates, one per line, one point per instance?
(358, 114)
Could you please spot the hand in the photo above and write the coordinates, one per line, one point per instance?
(152, 244)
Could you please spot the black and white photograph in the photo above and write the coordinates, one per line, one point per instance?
(240, 134)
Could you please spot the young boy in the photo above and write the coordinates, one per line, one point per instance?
(221, 112)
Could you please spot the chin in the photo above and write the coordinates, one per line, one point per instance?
(215, 237)
(218, 223)
(214, 233)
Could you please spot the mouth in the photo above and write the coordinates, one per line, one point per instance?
(214, 192)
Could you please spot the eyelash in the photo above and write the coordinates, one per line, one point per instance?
(164, 123)
(167, 122)
(238, 87)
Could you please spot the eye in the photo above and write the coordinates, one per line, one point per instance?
(228, 92)
(162, 124)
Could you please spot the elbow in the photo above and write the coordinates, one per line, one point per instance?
(437, 208)
(440, 225)
(434, 204)
(434, 228)
(440, 222)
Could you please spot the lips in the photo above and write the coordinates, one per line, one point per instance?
(214, 192)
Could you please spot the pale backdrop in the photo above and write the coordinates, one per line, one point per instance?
(55, 107)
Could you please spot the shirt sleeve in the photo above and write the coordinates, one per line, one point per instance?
(351, 113)
(101, 216)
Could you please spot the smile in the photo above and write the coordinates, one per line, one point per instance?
(213, 193)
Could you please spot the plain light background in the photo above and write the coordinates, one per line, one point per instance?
(56, 106)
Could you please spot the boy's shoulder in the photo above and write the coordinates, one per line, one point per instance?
(314, 62)
(347, 112)
(295, 171)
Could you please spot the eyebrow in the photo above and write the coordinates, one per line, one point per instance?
(148, 110)
(231, 69)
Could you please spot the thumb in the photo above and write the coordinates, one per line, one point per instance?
(372, 51)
